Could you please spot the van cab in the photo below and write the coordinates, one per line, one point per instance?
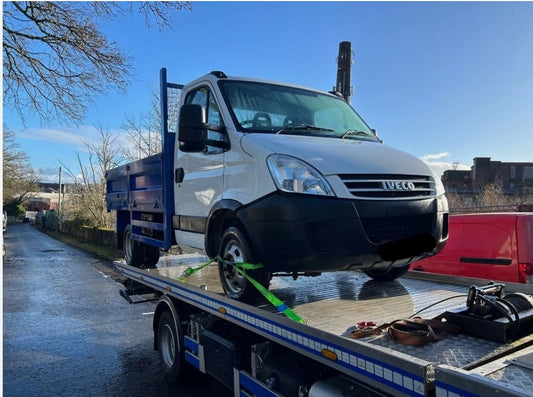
(494, 246)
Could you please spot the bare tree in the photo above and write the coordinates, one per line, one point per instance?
(19, 178)
(144, 131)
(55, 58)
(87, 201)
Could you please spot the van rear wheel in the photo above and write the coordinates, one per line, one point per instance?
(138, 254)
(235, 247)
(133, 250)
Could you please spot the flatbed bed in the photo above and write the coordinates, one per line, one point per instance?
(332, 304)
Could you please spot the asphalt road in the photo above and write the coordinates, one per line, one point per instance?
(67, 332)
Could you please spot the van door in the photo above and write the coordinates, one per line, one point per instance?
(199, 177)
(489, 249)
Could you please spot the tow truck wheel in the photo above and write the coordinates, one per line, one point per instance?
(133, 250)
(235, 247)
(387, 274)
(169, 342)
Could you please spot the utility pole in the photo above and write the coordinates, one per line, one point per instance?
(59, 202)
(344, 70)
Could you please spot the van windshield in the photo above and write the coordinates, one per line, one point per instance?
(278, 109)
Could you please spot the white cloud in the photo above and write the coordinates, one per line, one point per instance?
(75, 136)
(435, 156)
(440, 166)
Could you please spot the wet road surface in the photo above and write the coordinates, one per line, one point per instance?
(67, 332)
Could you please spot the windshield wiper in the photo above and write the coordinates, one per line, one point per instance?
(294, 127)
(354, 132)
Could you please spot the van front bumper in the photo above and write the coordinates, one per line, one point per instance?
(301, 233)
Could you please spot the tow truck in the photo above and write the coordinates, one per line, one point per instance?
(358, 329)
(304, 345)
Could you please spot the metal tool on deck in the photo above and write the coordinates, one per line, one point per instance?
(491, 314)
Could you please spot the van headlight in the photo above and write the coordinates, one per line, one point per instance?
(439, 187)
(296, 176)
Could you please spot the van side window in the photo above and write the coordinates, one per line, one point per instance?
(204, 97)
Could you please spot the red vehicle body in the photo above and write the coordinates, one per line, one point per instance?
(494, 246)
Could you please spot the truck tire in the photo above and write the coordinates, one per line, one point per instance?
(387, 274)
(133, 250)
(236, 247)
(169, 345)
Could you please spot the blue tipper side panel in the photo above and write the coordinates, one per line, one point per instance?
(136, 186)
(117, 189)
(146, 191)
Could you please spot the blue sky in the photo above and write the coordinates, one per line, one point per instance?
(444, 81)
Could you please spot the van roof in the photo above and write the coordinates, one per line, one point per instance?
(213, 77)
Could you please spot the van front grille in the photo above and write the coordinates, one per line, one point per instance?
(388, 187)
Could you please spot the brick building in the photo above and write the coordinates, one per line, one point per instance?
(42, 201)
(515, 178)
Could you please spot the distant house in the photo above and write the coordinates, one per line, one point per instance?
(515, 178)
(47, 198)
(38, 201)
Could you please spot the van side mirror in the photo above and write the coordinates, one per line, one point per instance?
(192, 128)
(195, 134)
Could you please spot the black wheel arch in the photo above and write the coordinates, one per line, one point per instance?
(224, 214)
(176, 309)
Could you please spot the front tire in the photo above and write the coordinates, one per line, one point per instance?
(169, 346)
(236, 247)
(389, 274)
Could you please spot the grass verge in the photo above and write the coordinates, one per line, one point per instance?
(99, 251)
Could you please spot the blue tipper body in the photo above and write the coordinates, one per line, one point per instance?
(142, 191)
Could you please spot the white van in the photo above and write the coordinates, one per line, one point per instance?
(288, 177)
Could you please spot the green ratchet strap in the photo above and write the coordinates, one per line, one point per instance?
(273, 299)
(190, 271)
(241, 268)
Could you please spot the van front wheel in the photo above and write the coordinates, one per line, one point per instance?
(235, 248)
(387, 274)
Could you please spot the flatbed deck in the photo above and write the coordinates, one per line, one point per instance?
(333, 303)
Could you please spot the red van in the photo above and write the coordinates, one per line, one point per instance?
(494, 246)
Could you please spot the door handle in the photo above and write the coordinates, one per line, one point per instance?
(179, 174)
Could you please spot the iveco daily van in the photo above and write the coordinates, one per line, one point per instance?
(288, 177)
